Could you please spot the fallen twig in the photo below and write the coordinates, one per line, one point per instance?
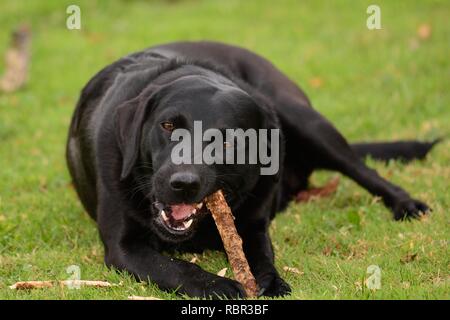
(27, 285)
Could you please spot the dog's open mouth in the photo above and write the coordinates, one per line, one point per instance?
(178, 217)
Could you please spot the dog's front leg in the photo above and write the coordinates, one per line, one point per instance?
(325, 148)
(131, 247)
(259, 252)
(172, 274)
(252, 223)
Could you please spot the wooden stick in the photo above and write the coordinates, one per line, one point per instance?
(26, 285)
(232, 242)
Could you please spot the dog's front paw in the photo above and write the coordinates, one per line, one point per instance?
(271, 285)
(219, 288)
(409, 208)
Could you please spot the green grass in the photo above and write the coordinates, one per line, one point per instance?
(384, 84)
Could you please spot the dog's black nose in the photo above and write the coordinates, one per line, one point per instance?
(186, 182)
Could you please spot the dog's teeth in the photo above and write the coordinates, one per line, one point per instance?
(183, 227)
(194, 211)
(187, 224)
(164, 215)
(200, 205)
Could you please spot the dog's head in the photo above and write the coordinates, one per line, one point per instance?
(180, 101)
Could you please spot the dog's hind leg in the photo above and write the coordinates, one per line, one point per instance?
(310, 136)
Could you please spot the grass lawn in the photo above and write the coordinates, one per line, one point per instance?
(383, 84)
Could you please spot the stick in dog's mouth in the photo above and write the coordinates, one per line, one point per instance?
(180, 217)
(232, 242)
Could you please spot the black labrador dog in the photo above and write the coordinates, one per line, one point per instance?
(119, 156)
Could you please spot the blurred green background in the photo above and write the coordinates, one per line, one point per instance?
(382, 84)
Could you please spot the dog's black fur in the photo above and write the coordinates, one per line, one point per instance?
(119, 157)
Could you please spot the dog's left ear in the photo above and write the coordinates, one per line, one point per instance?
(129, 120)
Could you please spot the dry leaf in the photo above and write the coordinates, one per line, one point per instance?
(292, 270)
(194, 259)
(329, 188)
(327, 251)
(94, 37)
(410, 257)
(424, 31)
(222, 272)
(406, 285)
(316, 82)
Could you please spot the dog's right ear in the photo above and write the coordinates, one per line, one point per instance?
(129, 120)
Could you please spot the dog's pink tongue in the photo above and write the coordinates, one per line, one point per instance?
(181, 211)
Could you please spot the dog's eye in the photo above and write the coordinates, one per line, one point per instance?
(169, 126)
